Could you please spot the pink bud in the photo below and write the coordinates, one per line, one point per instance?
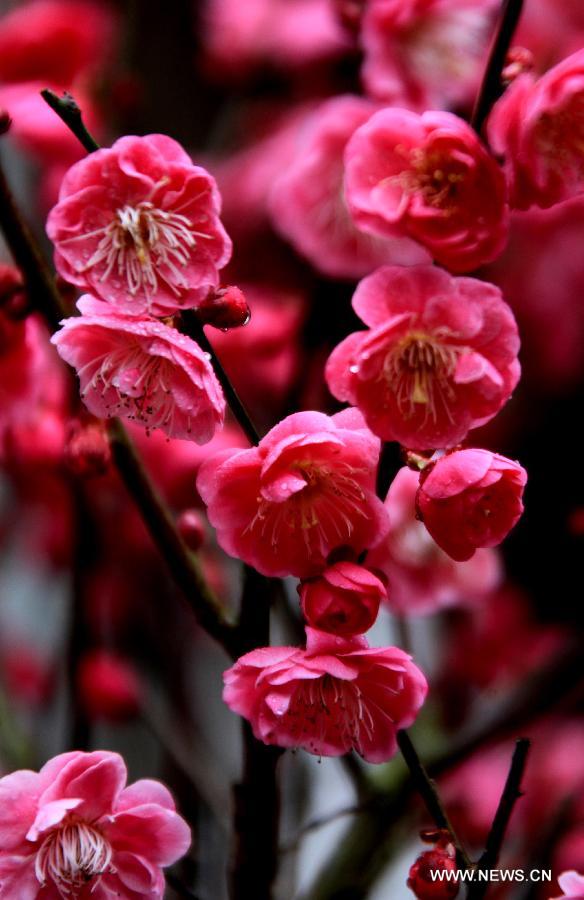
(343, 600)
(519, 61)
(13, 297)
(191, 528)
(87, 451)
(109, 686)
(224, 308)
(421, 882)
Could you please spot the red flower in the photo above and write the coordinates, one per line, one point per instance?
(539, 127)
(439, 359)
(336, 696)
(428, 177)
(137, 225)
(344, 600)
(470, 499)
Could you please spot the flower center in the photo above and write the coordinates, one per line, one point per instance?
(328, 708)
(419, 371)
(433, 176)
(145, 245)
(71, 856)
(324, 511)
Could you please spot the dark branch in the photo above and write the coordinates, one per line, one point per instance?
(429, 794)
(492, 83)
(67, 110)
(509, 797)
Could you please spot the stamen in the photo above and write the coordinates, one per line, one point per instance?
(71, 856)
(145, 245)
(419, 371)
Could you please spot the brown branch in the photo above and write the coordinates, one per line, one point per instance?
(509, 797)
(427, 790)
(492, 85)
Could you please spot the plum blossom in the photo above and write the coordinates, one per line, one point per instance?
(429, 178)
(538, 126)
(306, 490)
(308, 202)
(572, 885)
(335, 696)
(137, 225)
(422, 578)
(143, 370)
(425, 54)
(470, 498)
(75, 829)
(343, 600)
(439, 359)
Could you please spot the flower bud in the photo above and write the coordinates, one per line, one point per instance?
(87, 451)
(225, 308)
(519, 61)
(191, 528)
(109, 686)
(423, 880)
(13, 296)
(343, 600)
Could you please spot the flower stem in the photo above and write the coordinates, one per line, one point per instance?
(67, 110)
(509, 797)
(492, 85)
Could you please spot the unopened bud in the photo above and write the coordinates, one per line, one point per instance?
(519, 61)
(191, 528)
(225, 308)
(424, 879)
(87, 451)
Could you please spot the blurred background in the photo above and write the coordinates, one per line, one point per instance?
(97, 649)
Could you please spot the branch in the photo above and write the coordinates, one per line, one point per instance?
(509, 797)
(492, 85)
(429, 794)
(67, 110)
(195, 330)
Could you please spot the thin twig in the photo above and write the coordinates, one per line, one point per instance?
(509, 797)
(492, 84)
(429, 794)
(195, 330)
(67, 110)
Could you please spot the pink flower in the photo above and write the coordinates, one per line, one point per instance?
(138, 226)
(572, 885)
(539, 127)
(470, 499)
(306, 490)
(74, 829)
(54, 40)
(287, 34)
(425, 53)
(421, 577)
(343, 600)
(143, 370)
(439, 359)
(336, 696)
(430, 178)
(308, 203)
